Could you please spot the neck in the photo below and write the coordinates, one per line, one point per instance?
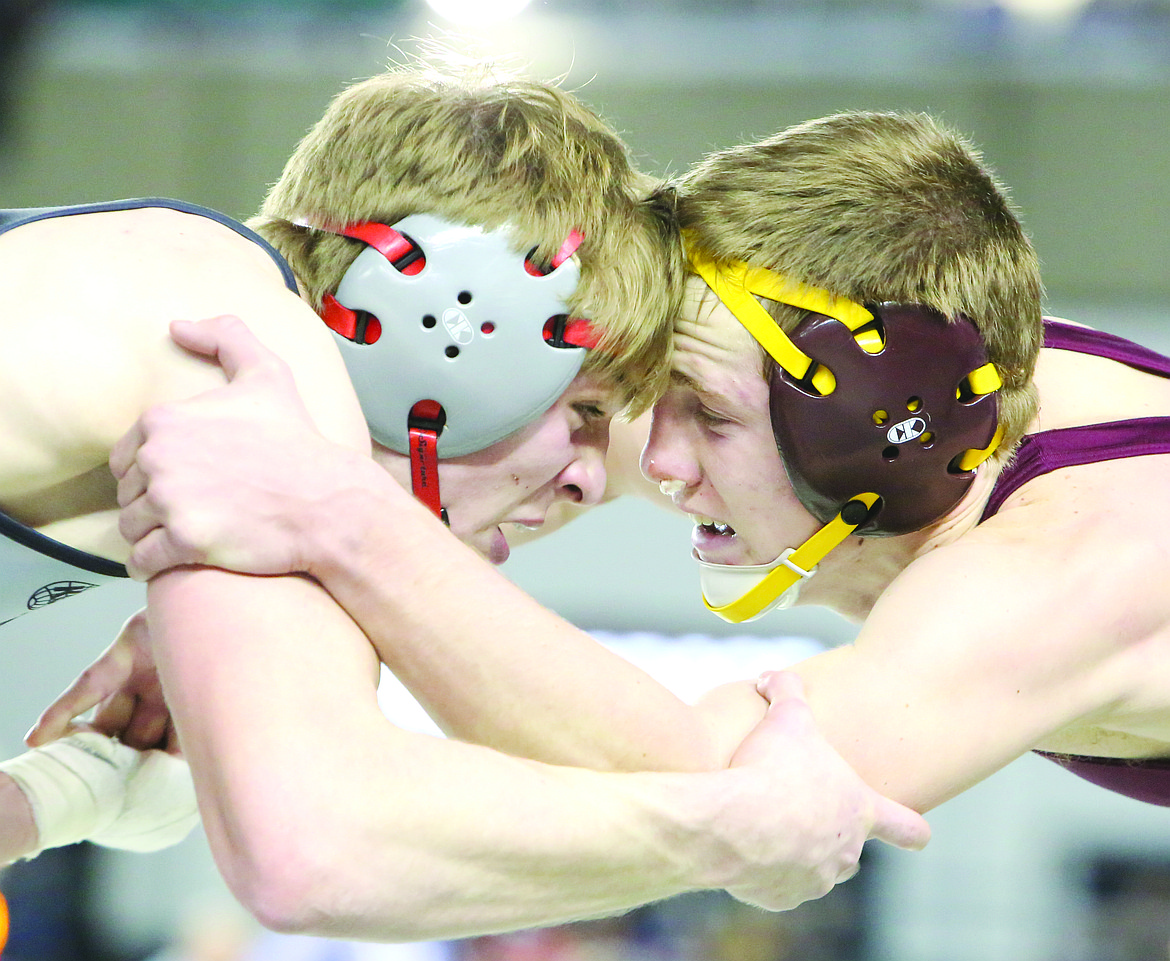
(857, 573)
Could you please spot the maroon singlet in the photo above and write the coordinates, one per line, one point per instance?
(1146, 779)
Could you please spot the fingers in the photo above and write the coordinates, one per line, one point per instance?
(780, 685)
(94, 685)
(125, 451)
(893, 823)
(52, 724)
(898, 825)
(113, 715)
(151, 555)
(227, 338)
(787, 708)
(789, 722)
(148, 725)
(132, 481)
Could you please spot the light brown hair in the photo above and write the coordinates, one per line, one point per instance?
(881, 207)
(473, 147)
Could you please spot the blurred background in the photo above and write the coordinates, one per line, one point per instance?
(204, 99)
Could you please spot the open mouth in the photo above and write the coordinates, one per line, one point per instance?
(712, 527)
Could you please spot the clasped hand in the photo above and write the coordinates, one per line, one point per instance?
(234, 477)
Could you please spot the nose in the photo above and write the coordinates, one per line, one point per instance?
(667, 455)
(583, 480)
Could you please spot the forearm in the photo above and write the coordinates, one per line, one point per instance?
(495, 667)
(327, 819)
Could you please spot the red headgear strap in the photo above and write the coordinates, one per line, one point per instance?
(427, 417)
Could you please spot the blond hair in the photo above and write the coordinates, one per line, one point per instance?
(881, 207)
(477, 148)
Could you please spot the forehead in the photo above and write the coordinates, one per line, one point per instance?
(713, 352)
(594, 385)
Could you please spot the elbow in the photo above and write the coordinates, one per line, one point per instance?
(274, 885)
(277, 906)
(308, 886)
(273, 867)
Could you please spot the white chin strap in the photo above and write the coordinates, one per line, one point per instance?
(739, 594)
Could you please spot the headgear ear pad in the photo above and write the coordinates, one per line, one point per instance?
(465, 331)
(897, 424)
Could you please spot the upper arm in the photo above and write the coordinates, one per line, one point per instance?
(953, 675)
(90, 350)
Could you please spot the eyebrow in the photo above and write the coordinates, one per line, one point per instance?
(708, 398)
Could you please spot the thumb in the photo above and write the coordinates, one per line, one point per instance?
(898, 825)
(780, 685)
(788, 717)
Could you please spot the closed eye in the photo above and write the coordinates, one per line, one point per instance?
(591, 413)
(709, 417)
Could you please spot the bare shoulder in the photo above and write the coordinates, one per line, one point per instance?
(90, 350)
(1060, 595)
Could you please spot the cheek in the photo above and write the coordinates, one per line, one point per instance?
(539, 460)
(461, 486)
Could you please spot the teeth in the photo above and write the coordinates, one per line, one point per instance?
(701, 520)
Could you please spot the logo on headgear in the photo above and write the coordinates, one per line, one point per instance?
(910, 429)
(458, 326)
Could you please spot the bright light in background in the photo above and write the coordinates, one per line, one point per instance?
(1049, 10)
(477, 11)
(1044, 9)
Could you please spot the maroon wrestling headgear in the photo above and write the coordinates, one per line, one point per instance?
(900, 421)
(881, 416)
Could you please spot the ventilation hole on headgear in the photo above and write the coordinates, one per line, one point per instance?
(464, 297)
(880, 417)
(926, 438)
(487, 327)
(533, 268)
(429, 321)
(452, 351)
(914, 404)
(891, 452)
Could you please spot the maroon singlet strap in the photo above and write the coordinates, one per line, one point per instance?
(1092, 443)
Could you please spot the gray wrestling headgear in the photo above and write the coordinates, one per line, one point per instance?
(447, 331)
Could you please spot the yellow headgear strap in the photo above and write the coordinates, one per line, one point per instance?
(804, 558)
(737, 285)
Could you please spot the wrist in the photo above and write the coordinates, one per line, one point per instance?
(712, 833)
(365, 499)
(72, 786)
(682, 816)
(19, 836)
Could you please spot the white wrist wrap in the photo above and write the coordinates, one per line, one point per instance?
(89, 787)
